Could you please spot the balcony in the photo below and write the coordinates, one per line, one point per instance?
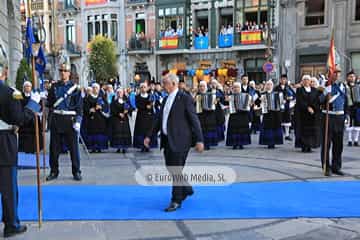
(139, 45)
(70, 8)
(136, 2)
(239, 41)
(73, 49)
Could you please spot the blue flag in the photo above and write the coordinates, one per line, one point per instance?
(30, 39)
(40, 62)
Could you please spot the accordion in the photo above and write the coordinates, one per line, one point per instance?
(240, 102)
(355, 93)
(273, 101)
(205, 102)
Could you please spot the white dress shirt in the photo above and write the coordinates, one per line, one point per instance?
(169, 102)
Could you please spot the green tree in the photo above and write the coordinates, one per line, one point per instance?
(23, 74)
(102, 59)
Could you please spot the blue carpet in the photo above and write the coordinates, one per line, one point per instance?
(238, 201)
(28, 160)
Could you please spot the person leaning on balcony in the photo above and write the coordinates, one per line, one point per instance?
(223, 30)
(179, 31)
(230, 29)
(246, 26)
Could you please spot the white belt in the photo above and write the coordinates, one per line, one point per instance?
(334, 112)
(5, 126)
(64, 112)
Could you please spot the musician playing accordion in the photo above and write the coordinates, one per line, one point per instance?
(353, 100)
(238, 133)
(219, 112)
(272, 103)
(289, 100)
(205, 109)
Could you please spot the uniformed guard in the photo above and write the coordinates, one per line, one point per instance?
(12, 114)
(65, 102)
(336, 95)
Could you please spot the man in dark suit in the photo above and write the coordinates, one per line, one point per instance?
(180, 127)
(12, 115)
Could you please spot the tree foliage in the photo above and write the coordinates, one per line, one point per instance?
(23, 74)
(102, 59)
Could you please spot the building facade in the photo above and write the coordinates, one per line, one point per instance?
(228, 38)
(10, 32)
(140, 21)
(307, 27)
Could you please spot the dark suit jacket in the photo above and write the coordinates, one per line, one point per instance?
(12, 113)
(183, 125)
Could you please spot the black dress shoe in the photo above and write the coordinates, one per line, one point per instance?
(124, 151)
(234, 147)
(12, 231)
(77, 177)
(118, 151)
(241, 147)
(173, 207)
(288, 138)
(52, 176)
(327, 173)
(349, 144)
(338, 172)
(271, 146)
(356, 144)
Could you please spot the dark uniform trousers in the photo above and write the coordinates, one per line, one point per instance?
(8, 183)
(175, 162)
(335, 138)
(71, 138)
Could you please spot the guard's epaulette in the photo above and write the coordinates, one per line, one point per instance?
(17, 95)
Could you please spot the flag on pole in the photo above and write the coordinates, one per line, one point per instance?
(331, 62)
(40, 62)
(29, 40)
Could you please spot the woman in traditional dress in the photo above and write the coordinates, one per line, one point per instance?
(119, 122)
(96, 112)
(271, 132)
(207, 120)
(308, 117)
(144, 119)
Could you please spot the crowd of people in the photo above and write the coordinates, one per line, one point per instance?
(106, 114)
(171, 32)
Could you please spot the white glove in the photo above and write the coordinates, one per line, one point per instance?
(35, 96)
(328, 89)
(76, 126)
(43, 95)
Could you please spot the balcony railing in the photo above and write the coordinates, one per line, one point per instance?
(226, 41)
(168, 43)
(201, 42)
(137, 1)
(73, 48)
(139, 44)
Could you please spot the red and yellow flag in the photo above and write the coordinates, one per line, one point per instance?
(253, 37)
(94, 2)
(331, 62)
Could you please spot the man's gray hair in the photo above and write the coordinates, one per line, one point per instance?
(173, 78)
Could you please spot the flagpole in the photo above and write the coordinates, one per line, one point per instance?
(326, 137)
(36, 133)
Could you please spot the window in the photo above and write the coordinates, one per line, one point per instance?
(69, 3)
(70, 31)
(314, 12)
(355, 58)
(105, 25)
(251, 14)
(357, 10)
(140, 23)
(114, 27)
(172, 23)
